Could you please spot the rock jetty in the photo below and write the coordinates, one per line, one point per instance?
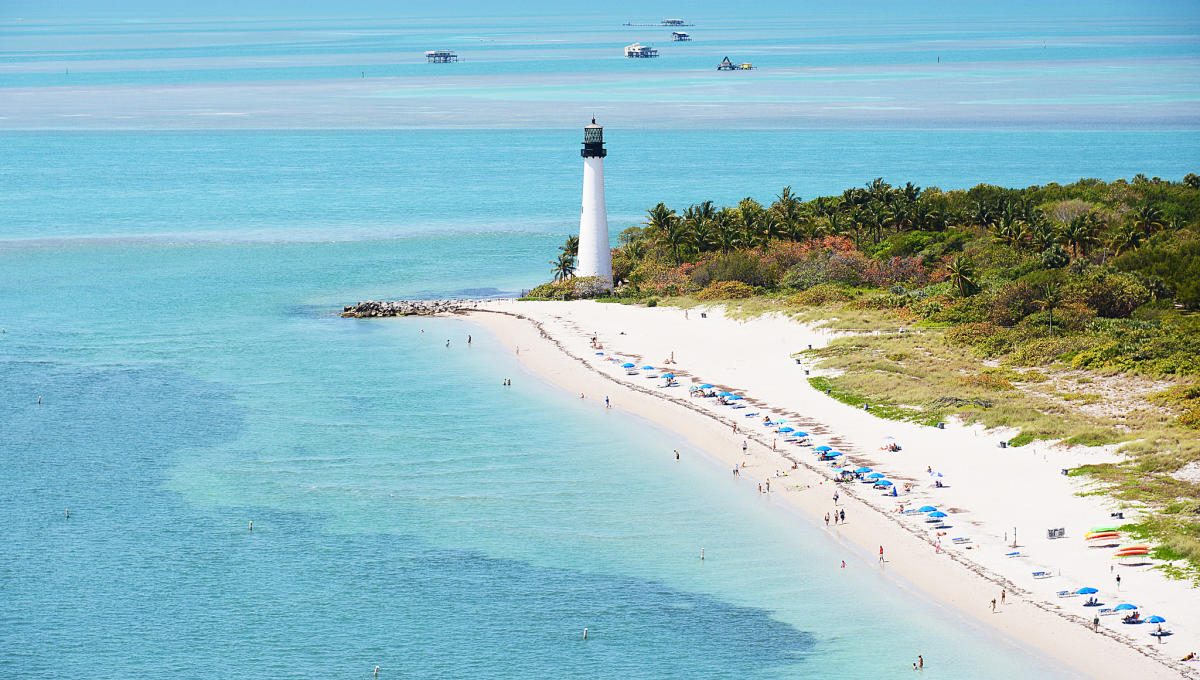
(377, 308)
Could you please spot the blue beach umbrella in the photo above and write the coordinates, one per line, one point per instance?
(939, 514)
(1156, 619)
(875, 475)
(734, 397)
(647, 368)
(787, 429)
(926, 508)
(706, 386)
(627, 365)
(668, 375)
(1125, 607)
(863, 470)
(724, 394)
(801, 434)
(884, 482)
(823, 448)
(599, 354)
(1086, 591)
(833, 454)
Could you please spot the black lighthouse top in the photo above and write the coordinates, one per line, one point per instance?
(593, 141)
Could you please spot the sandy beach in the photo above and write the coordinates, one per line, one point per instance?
(994, 496)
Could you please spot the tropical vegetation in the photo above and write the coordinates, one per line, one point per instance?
(1015, 303)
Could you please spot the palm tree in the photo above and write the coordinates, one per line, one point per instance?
(679, 233)
(702, 235)
(658, 218)
(1122, 238)
(725, 232)
(787, 209)
(1080, 232)
(1051, 296)
(666, 227)
(880, 190)
(564, 266)
(1148, 218)
(571, 247)
(1042, 235)
(962, 275)
(750, 213)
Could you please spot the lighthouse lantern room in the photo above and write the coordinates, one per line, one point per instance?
(594, 256)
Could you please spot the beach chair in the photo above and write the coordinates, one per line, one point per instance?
(1107, 611)
(1015, 553)
(1066, 593)
(1042, 574)
(960, 540)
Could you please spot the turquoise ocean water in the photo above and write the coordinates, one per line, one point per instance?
(170, 292)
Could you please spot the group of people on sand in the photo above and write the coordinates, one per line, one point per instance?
(839, 516)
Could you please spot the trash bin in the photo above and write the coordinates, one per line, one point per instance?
(1004, 445)
(941, 426)
(1066, 471)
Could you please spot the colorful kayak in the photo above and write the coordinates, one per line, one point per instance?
(1103, 534)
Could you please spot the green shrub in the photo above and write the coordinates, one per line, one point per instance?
(734, 266)
(1112, 295)
(971, 333)
(726, 290)
(1176, 263)
(652, 302)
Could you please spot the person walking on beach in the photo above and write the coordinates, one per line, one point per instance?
(835, 497)
(768, 486)
(881, 554)
(1118, 581)
(1002, 593)
(993, 605)
(760, 487)
(827, 519)
(606, 403)
(1096, 623)
(843, 516)
(744, 446)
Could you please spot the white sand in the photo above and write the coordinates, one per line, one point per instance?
(990, 491)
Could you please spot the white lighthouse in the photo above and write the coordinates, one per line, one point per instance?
(594, 256)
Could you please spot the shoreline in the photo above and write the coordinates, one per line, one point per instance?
(554, 346)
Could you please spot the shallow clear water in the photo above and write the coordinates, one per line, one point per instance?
(172, 298)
